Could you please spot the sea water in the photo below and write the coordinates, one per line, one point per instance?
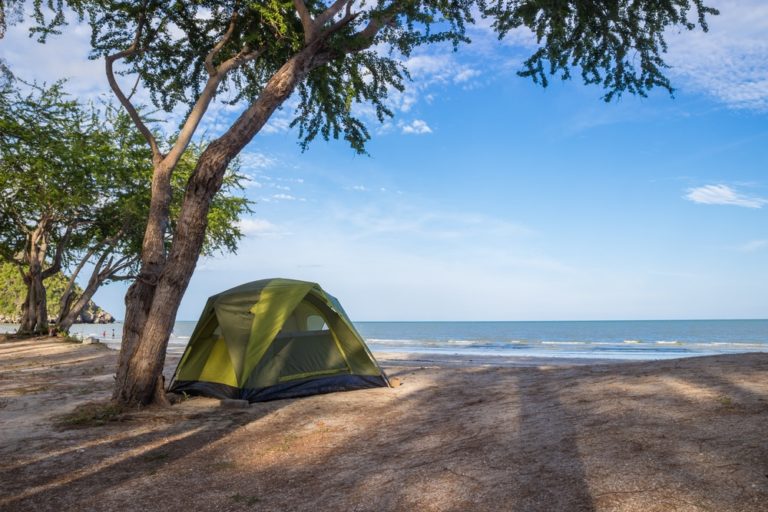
(633, 339)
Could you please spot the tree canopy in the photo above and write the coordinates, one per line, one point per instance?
(76, 189)
(175, 47)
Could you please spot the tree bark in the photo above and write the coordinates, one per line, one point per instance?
(65, 303)
(71, 315)
(138, 300)
(153, 312)
(34, 317)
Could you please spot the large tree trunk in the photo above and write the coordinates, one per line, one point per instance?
(139, 378)
(138, 300)
(34, 317)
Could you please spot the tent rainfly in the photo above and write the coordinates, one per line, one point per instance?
(272, 339)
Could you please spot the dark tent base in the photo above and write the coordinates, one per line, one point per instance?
(292, 389)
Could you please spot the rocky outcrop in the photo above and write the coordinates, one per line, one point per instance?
(92, 314)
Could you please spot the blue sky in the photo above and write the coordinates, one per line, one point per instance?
(490, 198)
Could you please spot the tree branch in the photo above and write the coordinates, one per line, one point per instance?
(376, 24)
(218, 46)
(205, 98)
(348, 18)
(306, 20)
(125, 101)
(56, 264)
(83, 261)
(123, 278)
(331, 11)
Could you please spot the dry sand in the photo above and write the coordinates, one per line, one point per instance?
(458, 435)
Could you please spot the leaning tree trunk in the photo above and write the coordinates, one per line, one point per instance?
(71, 314)
(138, 300)
(68, 296)
(139, 377)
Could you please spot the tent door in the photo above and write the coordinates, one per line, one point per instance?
(307, 354)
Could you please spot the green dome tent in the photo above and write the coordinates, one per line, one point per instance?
(272, 339)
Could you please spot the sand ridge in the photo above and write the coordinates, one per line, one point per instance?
(456, 435)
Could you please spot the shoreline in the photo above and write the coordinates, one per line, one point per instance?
(459, 360)
(453, 434)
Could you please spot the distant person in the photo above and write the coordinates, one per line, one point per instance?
(104, 334)
(113, 334)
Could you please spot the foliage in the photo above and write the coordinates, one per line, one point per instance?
(81, 175)
(223, 230)
(46, 155)
(617, 44)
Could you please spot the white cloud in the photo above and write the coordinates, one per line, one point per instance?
(754, 245)
(730, 62)
(256, 161)
(725, 195)
(278, 123)
(428, 69)
(465, 75)
(255, 227)
(250, 182)
(416, 127)
(283, 197)
(358, 188)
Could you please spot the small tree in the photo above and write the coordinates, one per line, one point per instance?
(47, 186)
(115, 237)
(259, 53)
(76, 189)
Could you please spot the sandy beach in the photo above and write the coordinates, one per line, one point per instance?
(456, 434)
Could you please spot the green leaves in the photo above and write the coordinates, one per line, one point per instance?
(616, 44)
(87, 168)
(227, 206)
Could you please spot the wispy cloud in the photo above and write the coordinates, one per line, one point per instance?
(256, 227)
(251, 182)
(730, 62)
(256, 161)
(754, 245)
(723, 195)
(415, 127)
(283, 197)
